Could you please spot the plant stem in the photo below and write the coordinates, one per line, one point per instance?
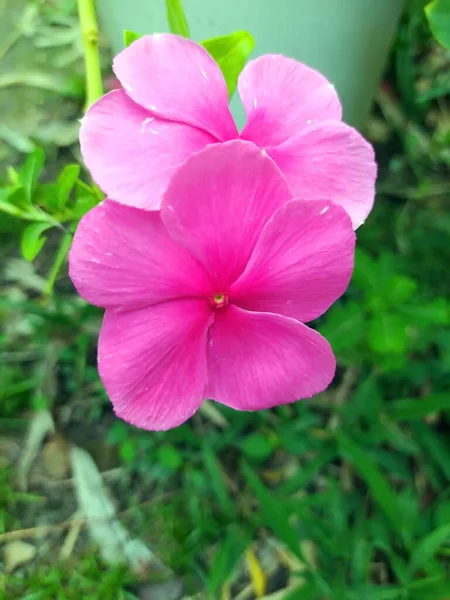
(60, 258)
(94, 89)
(90, 36)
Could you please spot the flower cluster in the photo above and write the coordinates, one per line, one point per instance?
(215, 247)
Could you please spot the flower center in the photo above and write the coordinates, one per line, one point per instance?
(219, 300)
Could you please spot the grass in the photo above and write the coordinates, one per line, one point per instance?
(343, 497)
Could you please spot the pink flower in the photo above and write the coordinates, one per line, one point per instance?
(207, 298)
(174, 102)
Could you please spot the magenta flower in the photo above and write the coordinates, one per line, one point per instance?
(208, 297)
(174, 102)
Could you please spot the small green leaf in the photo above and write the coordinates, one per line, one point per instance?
(31, 242)
(417, 408)
(273, 512)
(29, 173)
(431, 588)
(435, 444)
(177, 19)
(436, 312)
(428, 546)
(344, 326)
(128, 451)
(66, 181)
(438, 15)
(170, 457)
(226, 558)
(381, 490)
(217, 482)
(386, 334)
(231, 53)
(257, 446)
(130, 36)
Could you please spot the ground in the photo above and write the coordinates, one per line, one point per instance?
(343, 497)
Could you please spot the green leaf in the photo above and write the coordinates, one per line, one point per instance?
(435, 444)
(438, 15)
(170, 457)
(417, 408)
(231, 53)
(387, 334)
(399, 289)
(436, 312)
(344, 326)
(272, 512)
(128, 451)
(217, 483)
(296, 482)
(379, 486)
(31, 242)
(30, 171)
(66, 181)
(428, 546)
(226, 559)
(257, 446)
(130, 36)
(431, 588)
(176, 18)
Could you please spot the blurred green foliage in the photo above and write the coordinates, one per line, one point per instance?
(361, 472)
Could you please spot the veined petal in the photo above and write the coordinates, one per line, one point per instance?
(260, 360)
(177, 79)
(330, 160)
(123, 257)
(153, 362)
(302, 262)
(281, 96)
(218, 202)
(132, 154)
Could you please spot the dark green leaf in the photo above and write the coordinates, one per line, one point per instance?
(32, 240)
(379, 486)
(217, 482)
(231, 53)
(226, 559)
(431, 588)
(272, 512)
(438, 15)
(296, 482)
(176, 18)
(417, 408)
(130, 36)
(435, 444)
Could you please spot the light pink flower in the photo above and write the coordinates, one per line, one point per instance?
(174, 102)
(207, 298)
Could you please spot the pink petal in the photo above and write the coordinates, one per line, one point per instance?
(301, 264)
(153, 362)
(218, 202)
(330, 160)
(130, 153)
(282, 96)
(123, 256)
(177, 79)
(260, 360)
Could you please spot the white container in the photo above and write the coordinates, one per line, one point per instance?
(347, 40)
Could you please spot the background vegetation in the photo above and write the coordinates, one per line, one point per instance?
(344, 497)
